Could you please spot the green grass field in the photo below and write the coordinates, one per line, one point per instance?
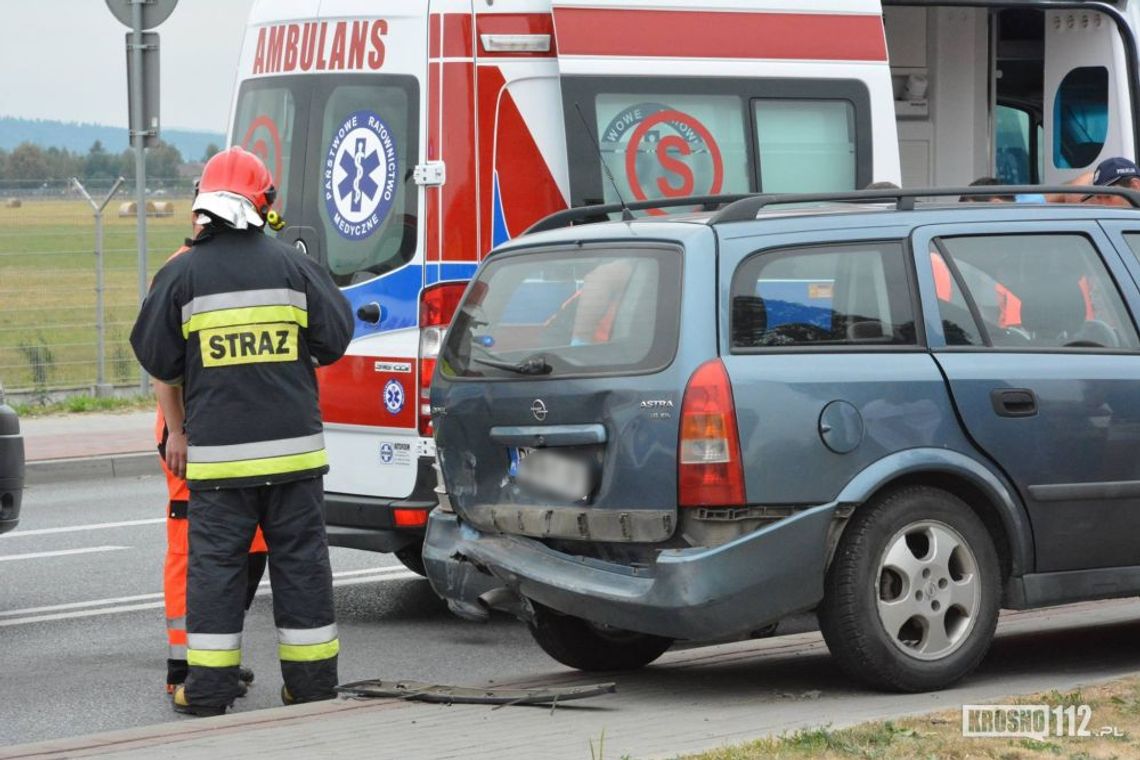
(47, 290)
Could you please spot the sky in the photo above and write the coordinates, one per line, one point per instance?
(66, 60)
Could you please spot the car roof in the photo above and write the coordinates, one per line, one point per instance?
(826, 217)
(894, 211)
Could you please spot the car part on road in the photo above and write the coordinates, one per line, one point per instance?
(912, 596)
(466, 695)
(583, 645)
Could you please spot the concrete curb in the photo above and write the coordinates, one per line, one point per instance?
(49, 471)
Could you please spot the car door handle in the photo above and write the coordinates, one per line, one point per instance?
(1014, 402)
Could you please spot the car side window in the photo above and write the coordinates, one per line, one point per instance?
(1031, 291)
(852, 294)
(1133, 240)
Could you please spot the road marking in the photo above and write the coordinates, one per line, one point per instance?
(63, 552)
(345, 578)
(77, 528)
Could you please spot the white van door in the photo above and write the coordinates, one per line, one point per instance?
(1088, 105)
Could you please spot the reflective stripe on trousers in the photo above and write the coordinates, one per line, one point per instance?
(213, 650)
(176, 638)
(307, 644)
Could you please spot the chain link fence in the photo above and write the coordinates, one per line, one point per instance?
(48, 336)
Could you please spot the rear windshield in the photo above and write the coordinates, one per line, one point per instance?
(568, 313)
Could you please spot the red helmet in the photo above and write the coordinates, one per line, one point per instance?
(236, 170)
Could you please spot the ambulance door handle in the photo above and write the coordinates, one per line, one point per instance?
(372, 313)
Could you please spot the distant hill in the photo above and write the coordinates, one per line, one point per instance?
(77, 137)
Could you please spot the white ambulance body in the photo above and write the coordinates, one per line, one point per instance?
(409, 138)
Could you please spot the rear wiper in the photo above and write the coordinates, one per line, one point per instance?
(535, 365)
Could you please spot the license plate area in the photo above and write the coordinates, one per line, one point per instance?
(562, 473)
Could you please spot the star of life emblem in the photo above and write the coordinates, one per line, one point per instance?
(361, 172)
(394, 396)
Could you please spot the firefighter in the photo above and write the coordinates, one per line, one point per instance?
(239, 323)
(172, 457)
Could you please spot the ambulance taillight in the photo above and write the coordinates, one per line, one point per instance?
(437, 305)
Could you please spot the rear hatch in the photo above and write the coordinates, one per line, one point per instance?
(558, 389)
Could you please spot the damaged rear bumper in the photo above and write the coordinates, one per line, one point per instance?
(697, 594)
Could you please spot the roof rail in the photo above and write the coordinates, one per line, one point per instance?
(747, 208)
(580, 214)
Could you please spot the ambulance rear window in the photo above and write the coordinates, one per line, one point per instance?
(342, 149)
(366, 193)
(676, 137)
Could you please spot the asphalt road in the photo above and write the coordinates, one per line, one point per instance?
(82, 650)
(82, 637)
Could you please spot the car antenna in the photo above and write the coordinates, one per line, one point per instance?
(626, 214)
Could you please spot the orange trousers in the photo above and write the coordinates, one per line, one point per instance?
(177, 559)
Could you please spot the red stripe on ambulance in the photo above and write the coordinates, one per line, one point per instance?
(705, 34)
(353, 391)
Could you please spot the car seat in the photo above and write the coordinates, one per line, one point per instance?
(1053, 311)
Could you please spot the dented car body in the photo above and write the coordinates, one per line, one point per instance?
(689, 428)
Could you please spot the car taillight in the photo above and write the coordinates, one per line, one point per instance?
(437, 306)
(709, 470)
(409, 518)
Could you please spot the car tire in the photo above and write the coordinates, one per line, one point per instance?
(583, 645)
(912, 595)
(412, 557)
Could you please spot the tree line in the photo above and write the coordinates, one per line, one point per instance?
(28, 164)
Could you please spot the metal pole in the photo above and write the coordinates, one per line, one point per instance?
(138, 139)
(102, 387)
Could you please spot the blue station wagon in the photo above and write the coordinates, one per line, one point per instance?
(904, 417)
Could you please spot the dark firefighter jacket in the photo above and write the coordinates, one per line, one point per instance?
(239, 324)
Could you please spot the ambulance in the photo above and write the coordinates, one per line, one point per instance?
(408, 138)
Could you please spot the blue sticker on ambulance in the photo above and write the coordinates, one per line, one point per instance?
(361, 175)
(394, 397)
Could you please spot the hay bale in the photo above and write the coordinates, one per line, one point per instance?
(13, 203)
(153, 208)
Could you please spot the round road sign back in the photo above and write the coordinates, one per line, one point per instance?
(154, 12)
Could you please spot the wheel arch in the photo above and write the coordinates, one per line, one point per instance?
(985, 492)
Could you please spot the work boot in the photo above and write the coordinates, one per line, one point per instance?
(181, 705)
(245, 678)
(288, 699)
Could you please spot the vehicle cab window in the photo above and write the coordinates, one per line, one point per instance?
(1029, 291)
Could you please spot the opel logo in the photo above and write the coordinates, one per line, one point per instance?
(300, 246)
(538, 409)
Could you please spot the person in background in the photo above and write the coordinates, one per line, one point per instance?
(987, 182)
(1114, 172)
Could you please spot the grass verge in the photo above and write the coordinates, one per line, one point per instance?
(81, 404)
(1114, 705)
(47, 290)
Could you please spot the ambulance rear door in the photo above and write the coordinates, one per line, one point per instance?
(332, 94)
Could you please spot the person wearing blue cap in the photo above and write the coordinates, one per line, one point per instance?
(1114, 172)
